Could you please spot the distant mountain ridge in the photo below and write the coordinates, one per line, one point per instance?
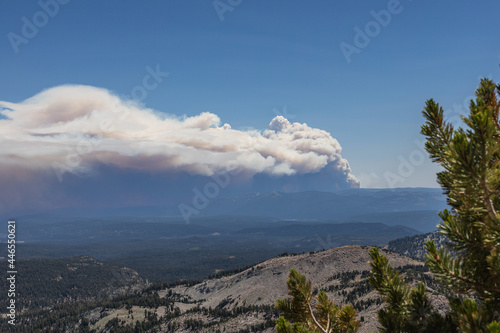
(327, 205)
(339, 206)
(421, 220)
(413, 246)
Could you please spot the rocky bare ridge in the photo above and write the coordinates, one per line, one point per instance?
(341, 271)
(265, 282)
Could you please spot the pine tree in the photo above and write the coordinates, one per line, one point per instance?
(468, 267)
(300, 316)
(407, 309)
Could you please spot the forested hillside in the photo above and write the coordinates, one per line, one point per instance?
(413, 246)
(43, 283)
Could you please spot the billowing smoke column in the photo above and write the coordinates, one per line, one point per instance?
(310, 151)
(74, 131)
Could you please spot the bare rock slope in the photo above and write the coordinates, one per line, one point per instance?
(340, 271)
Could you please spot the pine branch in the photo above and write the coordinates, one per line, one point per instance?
(472, 284)
(311, 313)
(487, 200)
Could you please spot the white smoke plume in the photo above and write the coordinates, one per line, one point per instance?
(73, 128)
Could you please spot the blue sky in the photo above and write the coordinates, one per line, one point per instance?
(270, 58)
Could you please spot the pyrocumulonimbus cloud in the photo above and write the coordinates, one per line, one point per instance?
(72, 128)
